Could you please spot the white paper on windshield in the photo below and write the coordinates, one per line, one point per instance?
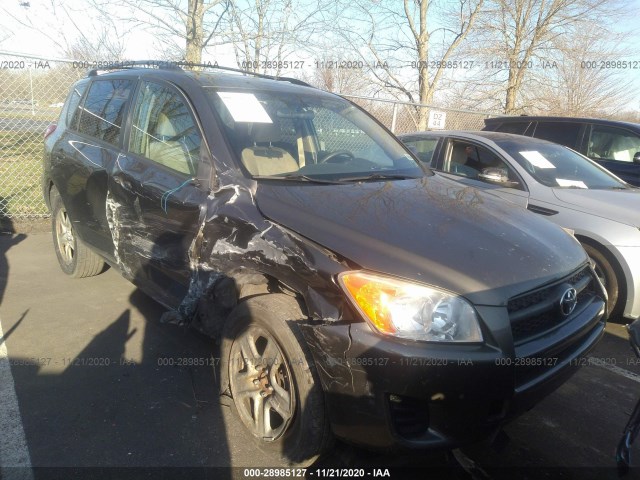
(537, 159)
(571, 183)
(244, 107)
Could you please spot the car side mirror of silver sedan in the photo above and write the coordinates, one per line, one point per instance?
(497, 176)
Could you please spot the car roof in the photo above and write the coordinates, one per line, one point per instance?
(543, 118)
(479, 136)
(216, 78)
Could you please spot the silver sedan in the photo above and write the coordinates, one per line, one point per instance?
(551, 180)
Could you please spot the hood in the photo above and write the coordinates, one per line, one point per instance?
(431, 230)
(618, 205)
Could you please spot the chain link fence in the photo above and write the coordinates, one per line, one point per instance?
(32, 92)
(404, 117)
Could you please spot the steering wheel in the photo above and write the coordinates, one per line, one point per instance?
(337, 153)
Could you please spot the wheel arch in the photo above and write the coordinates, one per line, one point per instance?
(233, 287)
(616, 260)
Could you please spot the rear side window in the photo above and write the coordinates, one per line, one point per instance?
(104, 108)
(612, 143)
(564, 133)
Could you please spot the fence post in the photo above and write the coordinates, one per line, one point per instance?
(31, 86)
(393, 119)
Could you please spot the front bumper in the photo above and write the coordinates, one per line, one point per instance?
(383, 392)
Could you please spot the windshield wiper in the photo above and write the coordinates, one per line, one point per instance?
(378, 176)
(296, 178)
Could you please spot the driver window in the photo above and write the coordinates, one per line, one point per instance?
(163, 129)
(613, 144)
(470, 160)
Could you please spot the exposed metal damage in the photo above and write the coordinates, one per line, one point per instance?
(113, 220)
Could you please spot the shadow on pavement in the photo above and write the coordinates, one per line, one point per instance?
(115, 408)
(6, 242)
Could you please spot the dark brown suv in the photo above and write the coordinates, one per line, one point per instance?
(355, 293)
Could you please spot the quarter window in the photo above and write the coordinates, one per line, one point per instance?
(611, 143)
(163, 129)
(102, 113)
(423, 148)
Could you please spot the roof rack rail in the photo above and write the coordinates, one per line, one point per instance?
(127, 64)
(245, 72)
(177, 65)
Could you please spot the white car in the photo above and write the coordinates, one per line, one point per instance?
(559, 183)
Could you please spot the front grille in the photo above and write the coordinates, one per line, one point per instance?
(537, 312)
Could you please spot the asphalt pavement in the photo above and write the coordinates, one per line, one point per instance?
(90, 385)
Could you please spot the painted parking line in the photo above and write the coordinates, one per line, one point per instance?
(14, 454)
(615, 369)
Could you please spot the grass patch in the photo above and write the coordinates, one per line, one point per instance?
(20, 174)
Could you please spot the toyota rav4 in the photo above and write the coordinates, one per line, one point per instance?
(354, 293)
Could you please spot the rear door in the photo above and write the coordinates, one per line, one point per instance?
(82, 156)
(614, 149)
(156, 190)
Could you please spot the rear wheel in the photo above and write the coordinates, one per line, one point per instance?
(74, 257)
(272, 379)
(607, 275)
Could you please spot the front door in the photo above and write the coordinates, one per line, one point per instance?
(156, 190)
(469, 163)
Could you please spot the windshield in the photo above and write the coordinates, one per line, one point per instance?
(559, 167)
(306, 137)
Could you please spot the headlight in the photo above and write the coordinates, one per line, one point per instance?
(407, 310)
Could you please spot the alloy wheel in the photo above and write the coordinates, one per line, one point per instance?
(261, 384)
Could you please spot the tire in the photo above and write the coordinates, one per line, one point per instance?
(607, 275)
(281, 378)
(74, 257)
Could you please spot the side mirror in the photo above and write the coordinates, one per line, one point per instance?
(498, 176)
(636, 158)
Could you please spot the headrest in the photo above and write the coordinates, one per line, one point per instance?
(265, 133)
(164, 127)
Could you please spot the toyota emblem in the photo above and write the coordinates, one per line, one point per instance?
(568, 301)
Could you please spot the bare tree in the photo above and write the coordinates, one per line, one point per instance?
(97, 37)
(269, 35)
(346, 81)
(579, 86)
(516, 37)
(413, 34)
(195, 23)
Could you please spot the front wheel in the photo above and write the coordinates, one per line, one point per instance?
(271, 377)
(74, 257)
(607, 275)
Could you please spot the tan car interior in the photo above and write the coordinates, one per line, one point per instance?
(166, 148)
(263, 158)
